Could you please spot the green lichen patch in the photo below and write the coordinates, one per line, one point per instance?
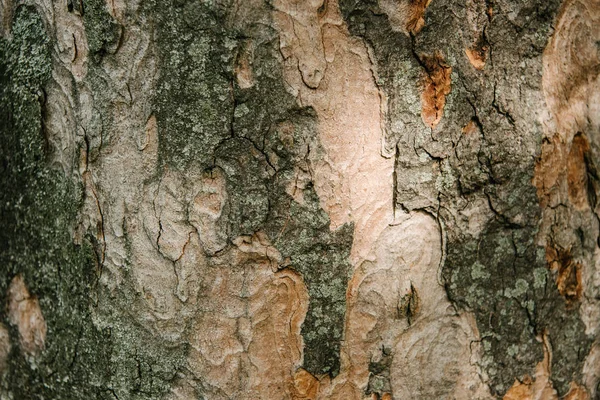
(515, 304)
(379, 374)
(194, 97)
(102, 31)
(142, 365)
(103, 35)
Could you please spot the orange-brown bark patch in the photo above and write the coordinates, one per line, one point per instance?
(416, 10)
(405, 16)
(477, 55)
(384, 396)
(307, 385)
(549, 168)
(568, 278)
(577, 392)
(437, 87)
(471, 128)
(520, 390)
(558, 162)
(577, 172)
(243, 65)
(529, 389)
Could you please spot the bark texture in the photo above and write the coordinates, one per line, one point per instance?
(300, 199)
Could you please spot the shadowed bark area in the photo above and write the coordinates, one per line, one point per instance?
(292, 199)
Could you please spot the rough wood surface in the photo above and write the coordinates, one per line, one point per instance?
(291, 199)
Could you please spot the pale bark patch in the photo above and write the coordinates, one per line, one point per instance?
(396, 302)
(246, 341)
(25, 313)
(353, 180)
(394, 299)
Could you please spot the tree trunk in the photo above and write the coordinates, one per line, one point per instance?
(300, 199)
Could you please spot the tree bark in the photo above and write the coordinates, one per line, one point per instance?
(300, 199)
